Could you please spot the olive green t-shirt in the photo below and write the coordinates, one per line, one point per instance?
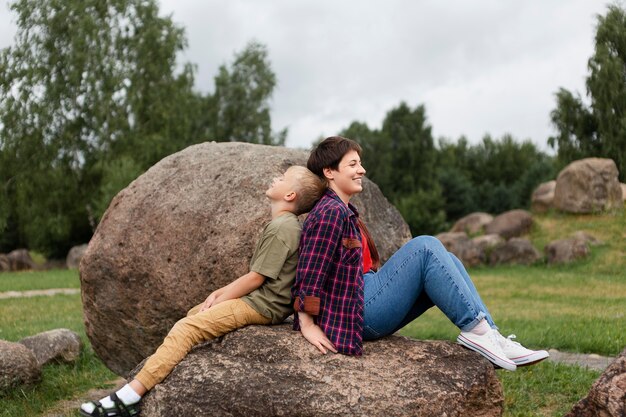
(275, 257)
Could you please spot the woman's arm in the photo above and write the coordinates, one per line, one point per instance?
(320, 239)
(314, 334)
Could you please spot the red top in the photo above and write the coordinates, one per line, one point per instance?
(367, 256)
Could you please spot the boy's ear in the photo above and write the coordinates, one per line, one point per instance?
(328, 173)
(290, 196)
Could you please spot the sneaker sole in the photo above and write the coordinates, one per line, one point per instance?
(531, 359)
(504, 364)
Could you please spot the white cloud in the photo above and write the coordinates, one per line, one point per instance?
(482, 66)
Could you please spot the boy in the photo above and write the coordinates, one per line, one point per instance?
(262, 296)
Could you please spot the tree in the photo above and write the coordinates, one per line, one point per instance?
(600, 129)
(239, 110)
(90, 97)
(87, 82)
(400, 158)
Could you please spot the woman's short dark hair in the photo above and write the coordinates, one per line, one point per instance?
(329, 152)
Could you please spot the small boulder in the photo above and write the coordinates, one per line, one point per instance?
(587, 238)
(514, 251)
(18, 366)
(566, 250)
(588, 185)
(462, 246)
(274, 371)
(74, 256)
(5, 263)
(472, 223)
(543, 197)
(607, 397)
(59, 345)
(623, 187)
(20, 260)
(513, 223)
(487, 242)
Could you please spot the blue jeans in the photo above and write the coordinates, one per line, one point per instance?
(420, 275)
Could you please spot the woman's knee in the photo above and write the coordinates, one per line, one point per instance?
(426, 242)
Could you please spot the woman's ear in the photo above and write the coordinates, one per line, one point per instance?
(328, 173)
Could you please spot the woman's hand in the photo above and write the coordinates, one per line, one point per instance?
(314, 334)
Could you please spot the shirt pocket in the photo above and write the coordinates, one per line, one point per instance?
(351, 251)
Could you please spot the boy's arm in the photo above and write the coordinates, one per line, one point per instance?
(243, 285)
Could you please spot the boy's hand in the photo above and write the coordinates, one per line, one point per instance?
(316, 336)
(208, 302)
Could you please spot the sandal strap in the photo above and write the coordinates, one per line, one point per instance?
(98, 410)
(120, 407)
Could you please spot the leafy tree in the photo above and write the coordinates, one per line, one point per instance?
(400, 158)
(90, 97)
(492, 176)
(598, 130)
(239, 110)
(87, 82)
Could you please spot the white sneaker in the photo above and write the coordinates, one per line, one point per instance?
(518, 353)
(489, 346)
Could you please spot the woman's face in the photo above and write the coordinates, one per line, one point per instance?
(346, 179)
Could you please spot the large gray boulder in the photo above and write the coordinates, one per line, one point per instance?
(607, 397)
(543, 197)
(472, 223)
(183, 229)
(72, 260)
(58, 345)
(588, 185)
(463, 247)
(18, 366)
(566, 250)
(19, 260)
(513, 223)
(273, 371)
(514, 251)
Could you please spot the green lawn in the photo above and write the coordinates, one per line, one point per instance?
(575, 308)
(23, 317)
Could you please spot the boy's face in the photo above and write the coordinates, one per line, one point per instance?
(282, 185)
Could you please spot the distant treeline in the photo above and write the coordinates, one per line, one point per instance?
(435, 184)
(91, 96)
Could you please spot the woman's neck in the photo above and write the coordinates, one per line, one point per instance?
(342, 196)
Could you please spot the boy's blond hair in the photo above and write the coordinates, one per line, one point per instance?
(309, 189)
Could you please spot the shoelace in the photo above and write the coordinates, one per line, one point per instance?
(510, 339)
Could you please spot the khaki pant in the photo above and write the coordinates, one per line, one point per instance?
(193, 329)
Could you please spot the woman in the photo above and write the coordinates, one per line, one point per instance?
(342, 295)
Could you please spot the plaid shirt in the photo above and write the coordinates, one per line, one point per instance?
(329, 278)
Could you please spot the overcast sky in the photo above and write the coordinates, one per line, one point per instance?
(481, 66)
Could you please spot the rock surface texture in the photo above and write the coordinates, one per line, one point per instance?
(74, 256)
(18, 365)
(274, 371)
(514, 251)
(183, 229)
(566, 250)
(588, 185)
(472, 223)
(607, 397)
(513, 223)
(463, 247)
(59, 345)
(543, 197)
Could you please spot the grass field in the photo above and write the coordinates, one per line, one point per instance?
(575, 308)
